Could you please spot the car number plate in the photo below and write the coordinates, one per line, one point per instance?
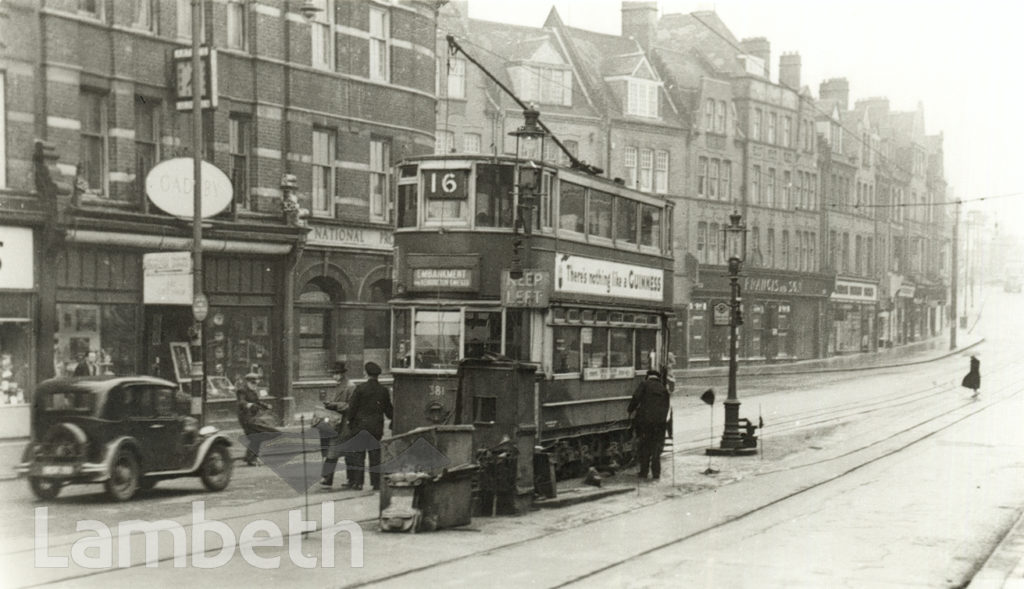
(57, 469)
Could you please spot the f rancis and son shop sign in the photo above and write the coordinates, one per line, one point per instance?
(579, 275)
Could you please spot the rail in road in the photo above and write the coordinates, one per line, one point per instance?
(937, 408)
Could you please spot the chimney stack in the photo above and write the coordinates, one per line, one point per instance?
(640, 21)
(837, 89)
(789, 70)
(761, 48)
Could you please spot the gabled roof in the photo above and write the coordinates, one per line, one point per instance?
(706, 33)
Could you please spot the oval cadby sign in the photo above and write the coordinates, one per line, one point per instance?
(169, 186)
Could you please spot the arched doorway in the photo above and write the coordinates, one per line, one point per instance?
(315, 316)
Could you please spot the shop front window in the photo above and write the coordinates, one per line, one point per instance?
(108, 332)
(237, 341)
(437, 339)
(483, 333)
(567, 349)
(15, 361)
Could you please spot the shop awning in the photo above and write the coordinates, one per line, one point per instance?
(166, 243)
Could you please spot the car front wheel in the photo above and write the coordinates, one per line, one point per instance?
(44, 489)
(216, 468)
(124, 476)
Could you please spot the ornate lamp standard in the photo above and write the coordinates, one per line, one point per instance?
(529, 140)
(736, 247)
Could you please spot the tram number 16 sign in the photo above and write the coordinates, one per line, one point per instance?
(445, 184)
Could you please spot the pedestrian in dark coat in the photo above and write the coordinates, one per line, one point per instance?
(369, 405)
(252, 418)
(335, 433)
(973, 378)
(649, 407)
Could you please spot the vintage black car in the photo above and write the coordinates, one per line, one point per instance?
(125, 432)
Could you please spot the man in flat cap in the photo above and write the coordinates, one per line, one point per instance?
(650, 403)
(369, 405)
(334, 431)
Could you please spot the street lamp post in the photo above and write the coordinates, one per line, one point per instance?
(736, 247)
(196, 331)
(527, 185)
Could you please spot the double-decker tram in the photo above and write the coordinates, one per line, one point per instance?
(527, 265)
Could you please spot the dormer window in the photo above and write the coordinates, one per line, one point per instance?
(543, 84)
(642, 99)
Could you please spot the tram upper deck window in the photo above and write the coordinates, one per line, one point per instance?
(437, 339)
(494, 204)
(407, 196)
(572, 207)
(600, 218)
(625, 220)
(650, 226)
(446, 196)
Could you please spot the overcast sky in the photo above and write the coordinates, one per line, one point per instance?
(960, 59)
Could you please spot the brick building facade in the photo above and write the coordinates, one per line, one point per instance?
(329, 99)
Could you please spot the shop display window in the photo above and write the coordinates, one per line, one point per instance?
(15, 361)
(238, 341)
(111, 331)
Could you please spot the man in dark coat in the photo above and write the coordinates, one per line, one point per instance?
(369, 405)
(649, 407)
(973, 378)
(255, 428)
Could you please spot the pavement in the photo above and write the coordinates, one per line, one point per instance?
(1003, 568)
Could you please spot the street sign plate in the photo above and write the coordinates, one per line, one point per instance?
(200, 307)
(722, 314)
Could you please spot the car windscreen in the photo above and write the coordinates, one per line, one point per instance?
(83, 401)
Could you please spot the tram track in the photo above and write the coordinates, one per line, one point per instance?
(993, 398)
(792, 423)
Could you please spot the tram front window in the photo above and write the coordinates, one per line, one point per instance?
(493, 195)
(437, 339)
(483, 333)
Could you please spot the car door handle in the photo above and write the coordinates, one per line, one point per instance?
(157, 426)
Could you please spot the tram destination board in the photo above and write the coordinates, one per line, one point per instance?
(530, 291)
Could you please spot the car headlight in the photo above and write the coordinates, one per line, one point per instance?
(208, 430)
